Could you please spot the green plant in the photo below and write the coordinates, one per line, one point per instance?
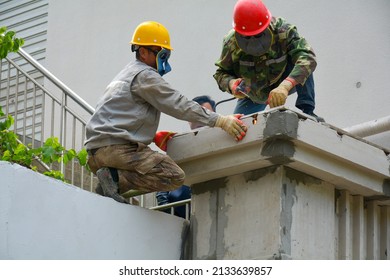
(11, 149)
(52, 151)
(8, 42)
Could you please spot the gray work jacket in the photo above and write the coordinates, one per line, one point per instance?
(130, 108)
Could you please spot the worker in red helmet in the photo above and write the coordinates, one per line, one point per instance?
(263, 60)
(127, 117)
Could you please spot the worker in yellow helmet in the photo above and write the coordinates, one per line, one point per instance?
(127, 117)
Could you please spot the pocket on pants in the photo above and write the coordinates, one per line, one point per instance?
(148, 160)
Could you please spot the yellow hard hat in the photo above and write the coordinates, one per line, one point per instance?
(151, 33)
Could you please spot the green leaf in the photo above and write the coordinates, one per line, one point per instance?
(3, 29)
(3, 52)
(7, 155)
(48, 153)
(13, 151)
(20, 149)
(55, 174)
(9, 35)
(8, 42)
(69, 155)
(82, 157)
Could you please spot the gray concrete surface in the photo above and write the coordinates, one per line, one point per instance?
(43, 218)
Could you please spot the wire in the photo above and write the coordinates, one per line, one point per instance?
(225, 100)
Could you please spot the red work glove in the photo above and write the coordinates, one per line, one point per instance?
(238, 88)
(162, 137)
(232, 125)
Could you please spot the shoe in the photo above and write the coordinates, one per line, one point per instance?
(318, 119)
(108, 185)
(99, 189)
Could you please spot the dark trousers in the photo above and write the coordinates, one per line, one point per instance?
(305, 100)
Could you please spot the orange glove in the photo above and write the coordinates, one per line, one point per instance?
(238, 88)
(162, 137)
(232, 125)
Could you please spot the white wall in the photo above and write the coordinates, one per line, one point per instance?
(88, 45)
(43, 218)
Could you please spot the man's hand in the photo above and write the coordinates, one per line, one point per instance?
(238, 89)
(278, 96)
(161, 139)
(232, 125)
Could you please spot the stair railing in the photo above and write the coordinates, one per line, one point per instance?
(43, 106)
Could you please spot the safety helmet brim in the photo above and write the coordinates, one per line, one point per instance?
(151, 33)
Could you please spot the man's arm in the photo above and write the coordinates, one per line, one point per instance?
(301, 54)
(225, 70)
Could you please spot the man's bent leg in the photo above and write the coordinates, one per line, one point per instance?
(139, 168)
(164, 176)
(306, 98)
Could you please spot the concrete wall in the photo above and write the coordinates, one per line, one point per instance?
(291, 189)
(266, 213)
(88, 45)
(43, 218)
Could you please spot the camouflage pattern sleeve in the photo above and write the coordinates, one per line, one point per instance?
(301, 54)
(225, 71)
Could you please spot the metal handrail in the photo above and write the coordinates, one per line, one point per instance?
(172, 205)
(57, 82)
(40, 113)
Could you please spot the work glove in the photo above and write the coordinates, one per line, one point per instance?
(278, 96)
(232, 125)
(161, 139)
(238, 88)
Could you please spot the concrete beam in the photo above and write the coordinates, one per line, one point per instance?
(285, 137)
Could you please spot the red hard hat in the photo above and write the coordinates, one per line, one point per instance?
(250, 17)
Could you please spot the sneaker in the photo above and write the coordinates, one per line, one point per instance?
(108, 185)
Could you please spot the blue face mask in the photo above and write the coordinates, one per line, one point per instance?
(163, 66)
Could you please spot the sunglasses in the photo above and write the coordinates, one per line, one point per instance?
(163, 55)
(155, 52)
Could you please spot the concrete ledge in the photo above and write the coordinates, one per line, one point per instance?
(285, 137)
(43, 218)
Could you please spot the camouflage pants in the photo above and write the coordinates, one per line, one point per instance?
(139, 167)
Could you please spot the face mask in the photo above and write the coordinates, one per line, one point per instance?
(163, 66)
(256, 45)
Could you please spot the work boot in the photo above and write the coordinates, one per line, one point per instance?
(99, 189)
(318, 119)
(108, 185)
(310, 112)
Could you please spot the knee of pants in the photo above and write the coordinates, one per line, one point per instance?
(178, 180)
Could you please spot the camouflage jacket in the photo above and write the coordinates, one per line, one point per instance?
(263, 73)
